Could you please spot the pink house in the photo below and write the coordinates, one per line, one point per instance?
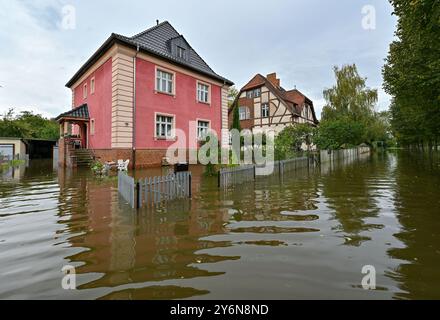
(131, 94)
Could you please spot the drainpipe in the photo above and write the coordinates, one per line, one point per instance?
(134, 109)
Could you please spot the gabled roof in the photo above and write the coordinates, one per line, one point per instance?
(80, 113)
(154, 41)
(299, 98)
(294, 99)
(259, 80)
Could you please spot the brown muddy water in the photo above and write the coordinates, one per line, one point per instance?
(305, 236)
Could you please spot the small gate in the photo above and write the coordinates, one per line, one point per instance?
(154, 190)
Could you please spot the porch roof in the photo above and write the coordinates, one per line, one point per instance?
(79, 113)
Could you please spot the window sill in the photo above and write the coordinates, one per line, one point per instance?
(165, 93)
(205, 103)
(165, 139)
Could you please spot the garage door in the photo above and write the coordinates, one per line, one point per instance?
(6, 151)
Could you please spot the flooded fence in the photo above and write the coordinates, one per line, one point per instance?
(127, 188)
(154, 190)
(237, 175)
(343, 154)
(246, 173)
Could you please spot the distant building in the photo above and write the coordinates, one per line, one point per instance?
(265, 105)
(23, 149)
(133, 91)
(12, 148)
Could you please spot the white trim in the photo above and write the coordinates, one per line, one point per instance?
(85, 92)
(197, 127)
(163, 69)
(209, 91)
(173, 128)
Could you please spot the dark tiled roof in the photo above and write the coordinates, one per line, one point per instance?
(81, 112)
(156, 41)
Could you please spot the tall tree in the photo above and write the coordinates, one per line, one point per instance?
(28, 125)
(349, 97)
(412, 72)
(348, 117)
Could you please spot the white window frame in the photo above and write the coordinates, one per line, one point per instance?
(199, 137)
(92, 85)
(199, 92)
(159, 71)
(181, 50)
(265, 108)
(247, 113)
(172, 136)
(85, 91)
(251, 94)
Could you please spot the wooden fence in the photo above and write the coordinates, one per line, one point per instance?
(127, 188)
(154, 190)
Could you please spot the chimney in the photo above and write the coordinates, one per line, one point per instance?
(272, 77)
(157, 22)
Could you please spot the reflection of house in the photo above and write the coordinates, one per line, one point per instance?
(265, 105)
(135, 90)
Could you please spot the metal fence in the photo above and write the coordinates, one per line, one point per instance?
(127, 188)
(236, 175)
(155, 190)
(334, 155)
(294, 164)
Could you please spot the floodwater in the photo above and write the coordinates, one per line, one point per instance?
(306, 236)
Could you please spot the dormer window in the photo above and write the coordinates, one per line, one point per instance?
(180, 52)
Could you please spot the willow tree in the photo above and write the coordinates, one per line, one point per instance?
(349, 97)
(348, 117)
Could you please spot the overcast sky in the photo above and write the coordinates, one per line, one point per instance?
(301, 40)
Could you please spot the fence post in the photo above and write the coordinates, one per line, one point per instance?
(219, 173)
(138, 195)
(190, 184)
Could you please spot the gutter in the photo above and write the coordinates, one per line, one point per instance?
(134, 109)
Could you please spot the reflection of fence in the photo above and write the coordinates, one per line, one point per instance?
(154, 190)
(166, 188)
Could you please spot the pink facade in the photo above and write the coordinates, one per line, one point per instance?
(183, 106)
(99, 104)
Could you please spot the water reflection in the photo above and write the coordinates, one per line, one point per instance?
(418, 204)
(350, 193)
(129, 248)
(304, 235)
